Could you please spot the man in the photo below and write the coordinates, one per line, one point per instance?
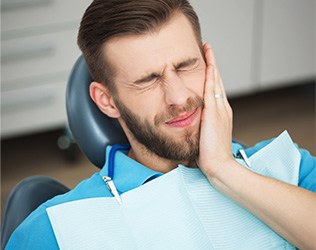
(152, 72)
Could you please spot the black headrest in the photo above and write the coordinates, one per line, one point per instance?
(91, 129)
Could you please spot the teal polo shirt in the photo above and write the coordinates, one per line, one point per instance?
(36, 231)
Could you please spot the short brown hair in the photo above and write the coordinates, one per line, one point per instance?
(106, 19)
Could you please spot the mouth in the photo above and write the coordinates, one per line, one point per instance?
(183, 120)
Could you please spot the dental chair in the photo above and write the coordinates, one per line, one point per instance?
(91, 130)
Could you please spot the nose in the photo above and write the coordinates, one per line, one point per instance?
(176, 91)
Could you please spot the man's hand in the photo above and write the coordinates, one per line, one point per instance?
(287, 209)
(216, 121)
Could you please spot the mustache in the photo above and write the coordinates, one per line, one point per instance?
(174, 111)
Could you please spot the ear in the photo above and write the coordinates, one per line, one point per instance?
(103, 99)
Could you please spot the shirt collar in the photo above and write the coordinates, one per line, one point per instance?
(128, 173)
(236, 146)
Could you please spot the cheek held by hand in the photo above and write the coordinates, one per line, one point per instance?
(216, 121)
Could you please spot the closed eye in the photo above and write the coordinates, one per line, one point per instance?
(188, 64)
(148, 78)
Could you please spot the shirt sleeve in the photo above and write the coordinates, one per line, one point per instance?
(307, 172)
(307, 175)
(34, 233)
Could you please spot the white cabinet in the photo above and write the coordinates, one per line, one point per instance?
(260, 44)
(228, 26)
(38, 50)
(287, 52)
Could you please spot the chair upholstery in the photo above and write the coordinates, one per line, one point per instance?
(91, 129)
(26, 196)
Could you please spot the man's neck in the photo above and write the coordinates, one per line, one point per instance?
(145, 157)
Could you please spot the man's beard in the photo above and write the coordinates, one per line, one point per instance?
(163, 145)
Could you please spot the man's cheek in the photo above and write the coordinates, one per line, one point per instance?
(198, 82)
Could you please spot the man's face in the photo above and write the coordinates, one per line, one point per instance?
(159, 78)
